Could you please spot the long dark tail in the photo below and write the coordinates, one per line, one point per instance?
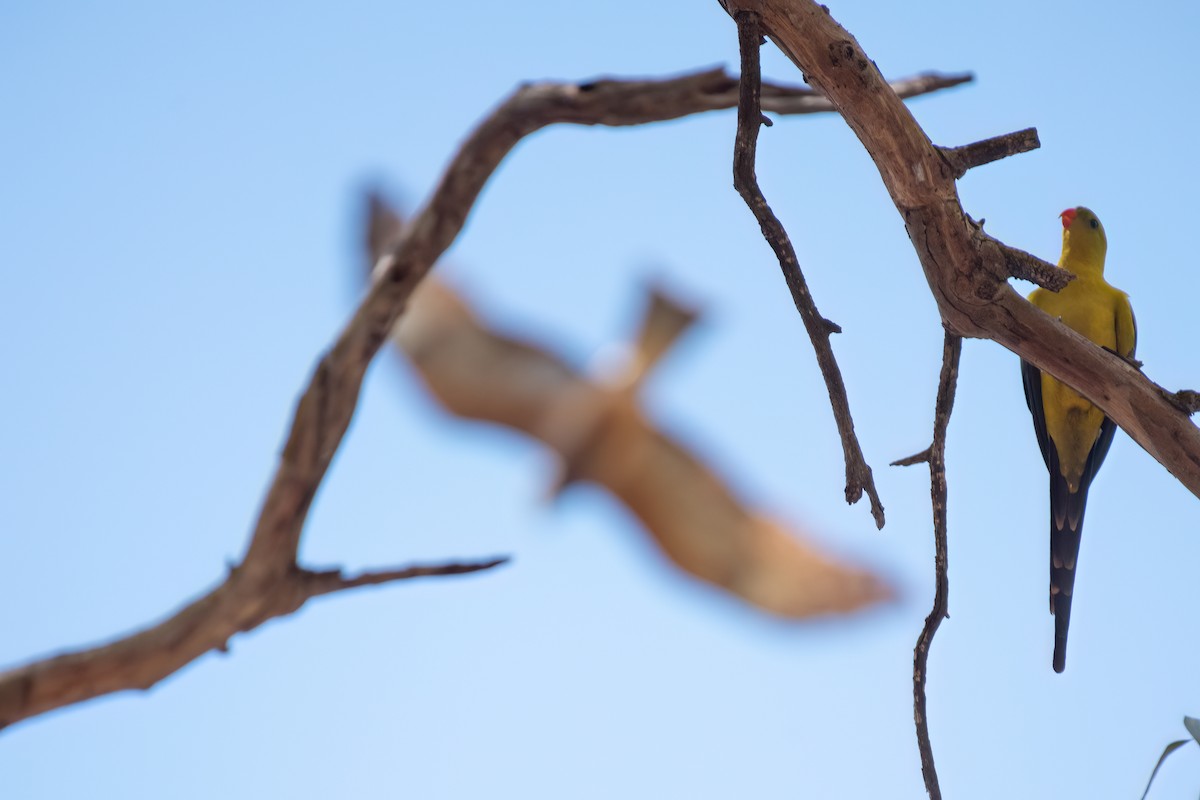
(1066, 509)
(1066, 530)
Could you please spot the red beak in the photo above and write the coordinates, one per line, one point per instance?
(1068, 217)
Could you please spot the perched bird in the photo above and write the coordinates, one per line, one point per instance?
(1074, 435)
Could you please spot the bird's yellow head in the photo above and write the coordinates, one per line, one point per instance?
(1084, 241)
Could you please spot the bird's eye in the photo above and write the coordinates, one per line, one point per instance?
(1095, 223)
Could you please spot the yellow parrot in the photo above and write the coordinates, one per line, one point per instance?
(1074, 435)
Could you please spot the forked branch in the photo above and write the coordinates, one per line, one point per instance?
(858, 472)
(935, 456)
(268, 582)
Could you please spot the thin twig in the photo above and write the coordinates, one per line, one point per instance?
(321, 582)
(935, 456)
(858, 472)
(785, 99)
(917, 458)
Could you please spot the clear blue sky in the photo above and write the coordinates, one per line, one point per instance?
(179, 226)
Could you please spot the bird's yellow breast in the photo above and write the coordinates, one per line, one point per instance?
(1087, 305)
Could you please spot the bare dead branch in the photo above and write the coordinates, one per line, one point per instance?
(858, 472)
(936, 457)
(784, 99)
(600, 436)
(720, 91)
(327, 406)
(985, 152)
(927, 82)
(967, 275)
(268, 583)
(140, 660)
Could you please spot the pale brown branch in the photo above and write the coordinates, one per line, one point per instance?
(858, 472)
(266, 584)
(140, 660)
(986, 151)
(927, 82)
(783, 99)
(327, 406)
(967, 273)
